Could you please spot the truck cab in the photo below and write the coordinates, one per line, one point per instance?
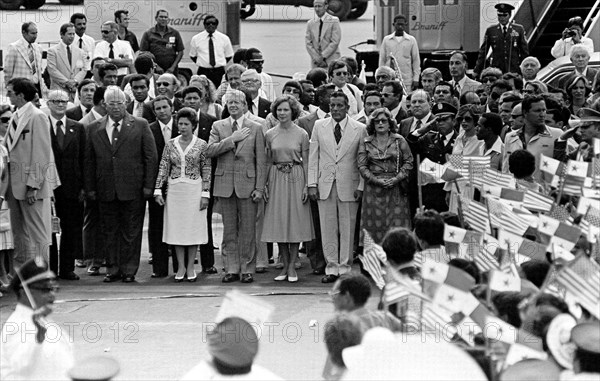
(185, 16)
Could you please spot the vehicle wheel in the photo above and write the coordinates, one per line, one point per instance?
(10, 5)
(184, 77)
(71, 2)
(33, 4)
(340, 8)
(358, 11)
(247, 8)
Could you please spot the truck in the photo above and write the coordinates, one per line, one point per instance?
(13, 5)
(185, 16)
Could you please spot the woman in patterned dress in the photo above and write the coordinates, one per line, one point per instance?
(186, 170)
(6, 237)
(384, 161)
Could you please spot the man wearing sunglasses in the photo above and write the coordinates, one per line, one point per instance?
(507, 41)
(33, 348)
(211, 50)
(117, 52)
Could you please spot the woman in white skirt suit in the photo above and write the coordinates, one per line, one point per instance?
(186, 169)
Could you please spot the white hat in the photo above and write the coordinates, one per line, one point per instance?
(558, 339)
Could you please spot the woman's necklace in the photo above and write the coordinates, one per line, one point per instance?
(379, 155)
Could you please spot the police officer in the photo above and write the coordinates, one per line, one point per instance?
(507, 41)
(434, 141)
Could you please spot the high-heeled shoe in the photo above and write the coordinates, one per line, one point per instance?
(193, 279)
(280, 278)
(179, 279)
(292, 279)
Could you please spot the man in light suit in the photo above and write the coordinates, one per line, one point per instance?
(458, 70)
(24, 59)
(323, 36)
(68, 145)
(334, 180)
(238, 145)
(32, 173)
(314, 248)
(120, 170)
(66, 63)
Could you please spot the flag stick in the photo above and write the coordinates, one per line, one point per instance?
(419, 186)
(461, 218)
(487, 207)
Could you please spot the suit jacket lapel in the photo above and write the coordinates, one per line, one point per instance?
(23, 49)
(243, 142)
(103, 133)
(347, 138)
(69, 134)
(329, 138)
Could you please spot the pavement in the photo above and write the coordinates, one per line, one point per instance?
(155, 327)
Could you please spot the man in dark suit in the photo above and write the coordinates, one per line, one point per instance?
(251, 84)
(507, 41)
(120, 170)
(420, 104)
(163, 129)
(139, 106)
(580, 57)
(314, 248)
(85, 90)
(392, 96)
(434, 141)
(68, 144)
(192, 97)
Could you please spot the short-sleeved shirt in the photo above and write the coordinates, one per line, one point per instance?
(199, 48)
(164, 45)
(121, 50)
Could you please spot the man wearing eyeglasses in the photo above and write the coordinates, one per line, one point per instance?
(116, 52)
(32, 347)
(164, 42)
(167, 84)
(32, 175)
(211, 50)
(68, 146)
(120, 170)
(507, 41)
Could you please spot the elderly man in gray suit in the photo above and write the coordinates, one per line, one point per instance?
(323, 36)
(334, 180)
(238, 145)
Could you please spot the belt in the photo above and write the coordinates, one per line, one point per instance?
(285, 167)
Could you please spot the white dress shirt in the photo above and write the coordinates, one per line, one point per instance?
(88, 46)
(110, 128)
(199, 49)
(63, 127)
(121, 49)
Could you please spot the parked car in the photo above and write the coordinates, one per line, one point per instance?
(560, 67)
(343, 9)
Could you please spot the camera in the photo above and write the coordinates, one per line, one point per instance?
(571, 33)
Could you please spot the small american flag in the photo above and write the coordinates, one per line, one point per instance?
(537, 202)
(581, 278)
(476, 215)
(372, 259)
(478, 164)
(486, 259)
(494, 178)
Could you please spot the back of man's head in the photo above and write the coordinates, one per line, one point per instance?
(357, 286)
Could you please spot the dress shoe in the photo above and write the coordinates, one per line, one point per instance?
(80, 263)
(69, 276)
(247, 278)
(159, 275)
(318, 272)
(280, 278)
(193, 279)
(230, 278)
(210, 270)
(293, 279)
(178, 279)
(329, 278)
(93, 271)
(261, 270)
(128, 279)
(112, 278)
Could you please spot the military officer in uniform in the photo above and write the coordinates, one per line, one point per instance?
(507, 41)
(434, 141)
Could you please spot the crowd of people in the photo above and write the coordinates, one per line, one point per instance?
(333, 166)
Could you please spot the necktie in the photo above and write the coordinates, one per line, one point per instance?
(139, 110)
(234, 127)
(10, 135)
(504, 30)
(167, 133)
(418, 124)
(456, 88)
(320, 28)
(337, 133)
(80, 43)
(211, 51)
(60, 135)
(87, 110)
(115, 134)
(69, 56)
(111, 53)
(32, 60)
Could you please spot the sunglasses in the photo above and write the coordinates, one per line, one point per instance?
(106, 31)
(210, 23)
(467, 119)
(341, 73)
(380, 121)
(489, 79)
(166, 84)
(5, 119)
